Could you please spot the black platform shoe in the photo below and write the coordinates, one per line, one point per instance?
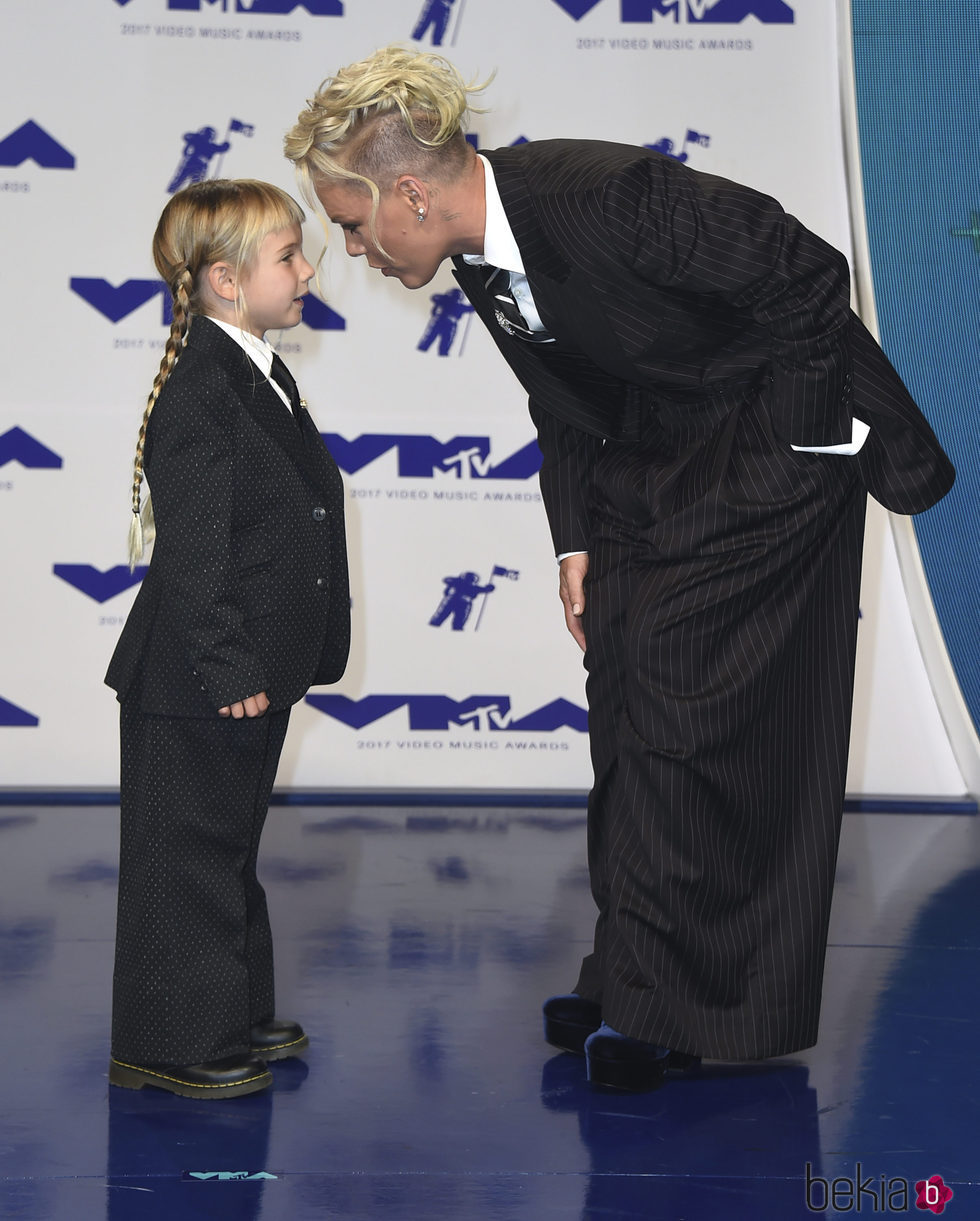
(622, 1063)
(569, 1020)
(225, 1078)
(278, 1040)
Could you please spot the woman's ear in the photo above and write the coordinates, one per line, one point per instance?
(414, 193)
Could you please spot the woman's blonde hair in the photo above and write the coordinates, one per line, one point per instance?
(218, 221)
(397, 111)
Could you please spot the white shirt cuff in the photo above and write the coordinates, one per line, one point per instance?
(859, 434)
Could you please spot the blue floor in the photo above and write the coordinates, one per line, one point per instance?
(416, 948)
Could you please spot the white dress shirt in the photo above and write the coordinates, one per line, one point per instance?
(259, 352)
(500, 250)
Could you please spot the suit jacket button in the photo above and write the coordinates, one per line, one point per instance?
(319, 514)
(321, 582)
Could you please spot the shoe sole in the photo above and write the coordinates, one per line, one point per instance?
(642, 1077)
(131, 1077)
(567, 1036)
(626, 1075)
(283, 1051)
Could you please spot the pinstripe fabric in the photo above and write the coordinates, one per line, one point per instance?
(666, 287)
(721, 617)
(700, 331)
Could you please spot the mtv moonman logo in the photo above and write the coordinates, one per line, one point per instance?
(200, 148)
(461, 591)
(434, 20)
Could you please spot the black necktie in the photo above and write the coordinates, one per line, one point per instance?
(505, 309)
(284, 379)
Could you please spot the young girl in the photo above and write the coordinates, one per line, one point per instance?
(244, 606)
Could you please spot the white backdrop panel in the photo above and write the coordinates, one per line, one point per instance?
(426, 421)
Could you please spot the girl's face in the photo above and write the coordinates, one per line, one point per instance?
(276, 282)
(413, 250)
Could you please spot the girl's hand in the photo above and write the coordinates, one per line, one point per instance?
(255, 705)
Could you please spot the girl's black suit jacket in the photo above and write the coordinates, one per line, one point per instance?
(247, 587)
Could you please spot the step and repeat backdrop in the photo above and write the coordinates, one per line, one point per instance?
(461, 675)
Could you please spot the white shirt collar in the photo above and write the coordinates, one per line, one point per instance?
(259, 351)
(499, 244)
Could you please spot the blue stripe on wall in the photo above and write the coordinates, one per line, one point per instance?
(916, 69)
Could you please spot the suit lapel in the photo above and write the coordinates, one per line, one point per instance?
(570, 308)
(259, 398)
(537, 251)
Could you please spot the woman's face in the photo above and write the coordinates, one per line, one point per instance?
(413, 251)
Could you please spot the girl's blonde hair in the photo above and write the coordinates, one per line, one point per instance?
(395, 112)
(218, 221)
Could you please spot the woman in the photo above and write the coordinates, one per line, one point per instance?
(711, 415)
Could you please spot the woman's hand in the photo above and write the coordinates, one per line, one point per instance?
(255, 705)
(571, 590)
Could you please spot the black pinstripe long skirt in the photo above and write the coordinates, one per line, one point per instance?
(193, 967)
(721, 621)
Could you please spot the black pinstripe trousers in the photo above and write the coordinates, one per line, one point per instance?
(721, 621)
(193, 965)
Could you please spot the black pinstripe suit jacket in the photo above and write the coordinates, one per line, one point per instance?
(247, 587)
(678, 291)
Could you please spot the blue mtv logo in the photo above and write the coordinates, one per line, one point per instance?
(460, 593)
(667, 147)
(116, 302)
(696, 12)
(481, 713)
(281, 8)
(16, 445)
(448, 309)
(473, 137)
(30, 142)
(434, 18)
(101, 586)
(420, 457)
(13, 716)
(228, 1176)
(200, 148)
(318, 316)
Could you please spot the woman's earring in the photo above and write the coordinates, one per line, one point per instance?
(421, 215)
